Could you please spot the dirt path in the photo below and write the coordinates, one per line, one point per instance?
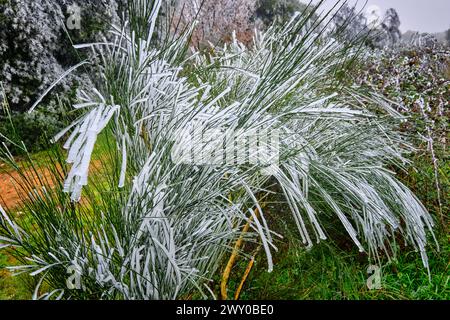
(9, 189)
(8, 193)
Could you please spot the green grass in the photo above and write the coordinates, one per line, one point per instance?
(327, 272)
(336, 270)
(12, 288)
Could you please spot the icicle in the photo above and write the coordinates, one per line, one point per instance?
(124, 163)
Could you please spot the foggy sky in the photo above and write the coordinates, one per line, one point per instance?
(416, 15)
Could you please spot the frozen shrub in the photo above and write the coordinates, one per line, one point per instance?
(415, 76)
(146, 226)
(218, 19)
(35, 48)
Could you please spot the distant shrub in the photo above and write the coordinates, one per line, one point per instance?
(34, 129)
(277, 11)
(218, 19)
(36, 48)
(417, 78)
(377, 31)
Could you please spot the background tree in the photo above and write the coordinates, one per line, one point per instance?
(217, 19)
(350, 24)
(35, 48)
(277, 11)
(355, 24)
(391, 26)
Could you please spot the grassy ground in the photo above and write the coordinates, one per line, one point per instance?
(328, 272)
(12, 288)
(15, 288)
